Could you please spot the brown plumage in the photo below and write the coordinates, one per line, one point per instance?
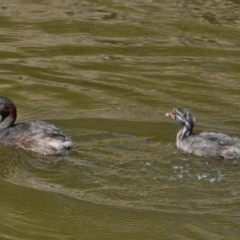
(37, 136)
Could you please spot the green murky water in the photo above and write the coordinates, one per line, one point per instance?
(106, 72)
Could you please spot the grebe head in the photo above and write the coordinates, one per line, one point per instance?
(7, 110)
(183, 116)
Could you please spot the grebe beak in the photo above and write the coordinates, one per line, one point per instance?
(170, 114)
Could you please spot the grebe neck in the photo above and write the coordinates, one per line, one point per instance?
(8, 116)
(186, 130)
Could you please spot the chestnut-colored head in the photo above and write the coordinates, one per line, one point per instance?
(7, 109)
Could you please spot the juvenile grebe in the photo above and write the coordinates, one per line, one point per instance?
(206, 144)
(37, 136)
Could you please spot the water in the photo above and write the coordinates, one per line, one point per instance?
(106, 72)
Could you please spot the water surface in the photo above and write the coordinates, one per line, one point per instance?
(106, 72)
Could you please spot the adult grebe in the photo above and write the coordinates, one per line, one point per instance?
(206, 144)
(37, 136)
